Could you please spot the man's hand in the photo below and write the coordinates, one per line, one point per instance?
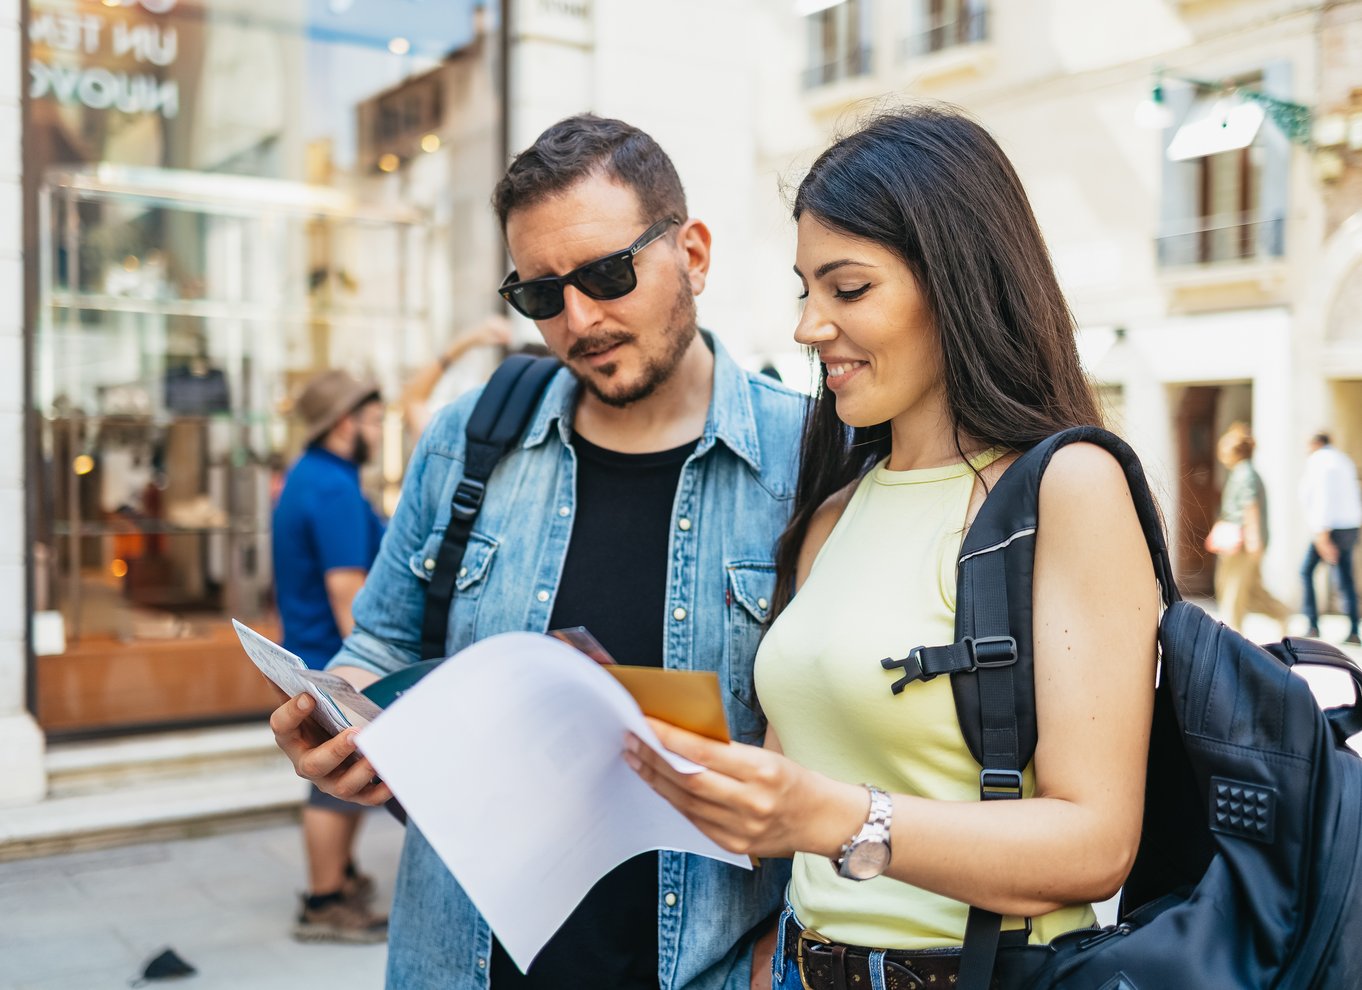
(1324, 546)
(332, 763)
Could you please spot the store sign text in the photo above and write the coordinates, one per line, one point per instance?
(97, 87)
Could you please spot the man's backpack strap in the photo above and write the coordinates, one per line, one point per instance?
(497, 422)
(993, 676)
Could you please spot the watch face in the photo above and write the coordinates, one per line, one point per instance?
(867, 859)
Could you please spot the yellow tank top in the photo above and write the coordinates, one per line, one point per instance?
(883, 582)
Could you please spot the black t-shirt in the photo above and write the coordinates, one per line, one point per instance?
(615, 584)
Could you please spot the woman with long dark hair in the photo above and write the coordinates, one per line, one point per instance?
(946, 349)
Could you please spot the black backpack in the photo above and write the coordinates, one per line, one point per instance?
(1249, 870)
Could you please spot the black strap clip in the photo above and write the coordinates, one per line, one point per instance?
(1000, 785)
(914, 657)
(468, 499)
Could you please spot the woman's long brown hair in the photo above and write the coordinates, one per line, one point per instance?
(934, 187)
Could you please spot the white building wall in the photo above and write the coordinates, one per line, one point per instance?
(21, 744)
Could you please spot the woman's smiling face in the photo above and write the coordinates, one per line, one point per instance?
(872, 328)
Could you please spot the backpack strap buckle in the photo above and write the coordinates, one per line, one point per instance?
(468, 499)
(990, 652)
(1000, 785)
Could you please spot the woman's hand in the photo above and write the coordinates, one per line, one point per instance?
(748, 799)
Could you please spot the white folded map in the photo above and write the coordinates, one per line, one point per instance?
(509, 758)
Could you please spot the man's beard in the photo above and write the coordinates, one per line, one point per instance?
(681, 328)
(361, 451)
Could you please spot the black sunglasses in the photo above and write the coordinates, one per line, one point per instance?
(605, 278)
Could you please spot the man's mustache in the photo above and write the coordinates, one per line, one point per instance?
(594, 345)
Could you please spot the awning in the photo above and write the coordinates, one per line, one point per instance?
(1216, 124)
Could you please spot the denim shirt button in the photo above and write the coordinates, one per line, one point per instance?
(429, 563)
(669, 900)
(683, 525)
(543, 596)
(679, 614)
(482, 964)
(564, 511)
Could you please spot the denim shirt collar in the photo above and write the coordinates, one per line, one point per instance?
(730, 416)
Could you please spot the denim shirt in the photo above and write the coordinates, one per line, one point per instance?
(732, 501)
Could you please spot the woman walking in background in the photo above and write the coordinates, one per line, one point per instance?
(1239, 536)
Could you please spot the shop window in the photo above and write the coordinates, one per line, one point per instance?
(839, 43)
(209, 237)
(938, 25)
(1225, 180)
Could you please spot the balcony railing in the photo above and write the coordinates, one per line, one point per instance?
(857, 62)
(966, 30)
(1211, 240)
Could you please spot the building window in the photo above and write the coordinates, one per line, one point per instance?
(937, 25)
(839, 43)
(1225, 179)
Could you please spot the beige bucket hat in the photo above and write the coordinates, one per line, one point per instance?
(329, 397)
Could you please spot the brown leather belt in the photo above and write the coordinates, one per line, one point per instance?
(825, 965)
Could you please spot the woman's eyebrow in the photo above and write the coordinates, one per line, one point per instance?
(832, 266)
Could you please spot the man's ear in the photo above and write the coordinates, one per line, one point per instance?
(694, 240)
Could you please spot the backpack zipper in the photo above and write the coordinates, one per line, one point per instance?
(1124, 928)
(1203, 668)
(1314, 951)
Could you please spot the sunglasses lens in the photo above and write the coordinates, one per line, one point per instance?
(608, 278)
(538, 301)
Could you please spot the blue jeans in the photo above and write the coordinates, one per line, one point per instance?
(1346, 541)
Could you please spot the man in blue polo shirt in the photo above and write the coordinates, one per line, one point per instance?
(326, 536)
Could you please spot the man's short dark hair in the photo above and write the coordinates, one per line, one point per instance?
(585, 145)
(1321, 438)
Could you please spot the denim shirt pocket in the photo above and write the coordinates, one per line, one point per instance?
(751, 585)
(473, 570)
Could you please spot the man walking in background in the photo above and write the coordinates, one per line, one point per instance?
(326, 536)
(1333, 511)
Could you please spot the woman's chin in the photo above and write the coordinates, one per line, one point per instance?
(853, 417)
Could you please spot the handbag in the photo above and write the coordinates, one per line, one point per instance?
(1225, 537)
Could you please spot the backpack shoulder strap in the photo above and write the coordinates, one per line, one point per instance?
(991, 660)
(498, 420)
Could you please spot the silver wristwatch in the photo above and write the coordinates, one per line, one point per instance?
(866, 854)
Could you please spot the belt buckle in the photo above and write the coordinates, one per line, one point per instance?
(812, 936)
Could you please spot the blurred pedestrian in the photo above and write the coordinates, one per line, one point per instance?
(415, 402)
(326, 536)
(1333, 512)
(1240, 535)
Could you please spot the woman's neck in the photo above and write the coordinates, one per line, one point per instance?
(925, 438)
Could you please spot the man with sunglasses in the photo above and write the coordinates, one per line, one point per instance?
(644, 503)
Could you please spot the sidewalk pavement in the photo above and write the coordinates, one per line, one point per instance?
(225, 903)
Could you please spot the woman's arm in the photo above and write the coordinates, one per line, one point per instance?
(1096, 612)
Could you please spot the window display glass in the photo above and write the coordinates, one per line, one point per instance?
(213, 229)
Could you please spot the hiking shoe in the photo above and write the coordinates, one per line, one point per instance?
(1353, 640)
(358, 889)
(340, 921)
